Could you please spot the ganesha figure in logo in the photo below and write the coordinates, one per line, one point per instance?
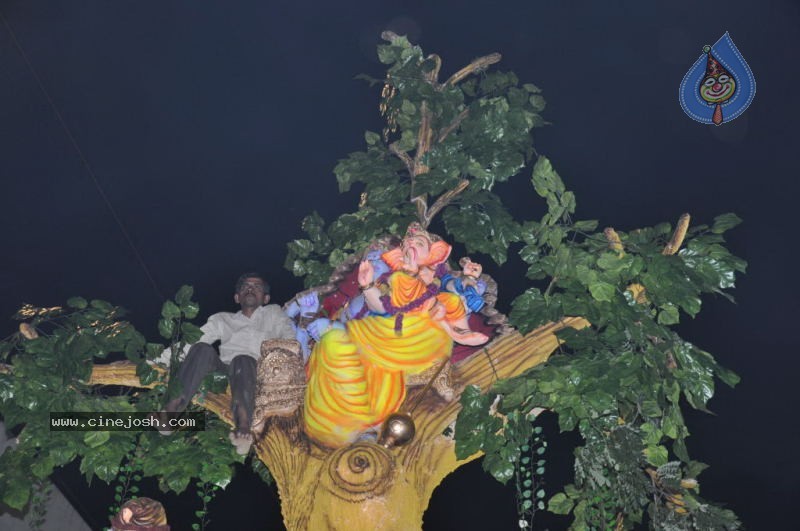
(357, 372)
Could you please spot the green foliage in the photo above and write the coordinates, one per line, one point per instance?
(620, 381)
(49, 374)
(262, 471)
(481, 130)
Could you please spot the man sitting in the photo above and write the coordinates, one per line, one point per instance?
(240, 335)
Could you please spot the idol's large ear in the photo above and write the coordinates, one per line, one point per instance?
(440, 250)
(393, 258)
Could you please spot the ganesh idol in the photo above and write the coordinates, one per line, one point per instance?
(357, 372)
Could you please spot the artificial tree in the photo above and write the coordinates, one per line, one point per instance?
(604, 303)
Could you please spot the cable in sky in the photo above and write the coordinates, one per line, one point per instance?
(83, 158)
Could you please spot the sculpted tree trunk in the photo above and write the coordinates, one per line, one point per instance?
(366, 486)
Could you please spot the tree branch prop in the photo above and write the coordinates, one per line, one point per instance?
(124, 373)
(403, 156)
(361, 486)
(677, 237)
(479, 64)
(432, 77)
(424, 136)
(614, 243)
(444, 133)
(443, 201)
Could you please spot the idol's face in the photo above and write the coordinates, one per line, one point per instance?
(416, 250)
(472, 269)
(716, 89)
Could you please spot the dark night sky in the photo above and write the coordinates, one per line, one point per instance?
(213, 129)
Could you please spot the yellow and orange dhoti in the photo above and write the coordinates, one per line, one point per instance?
(357, 375)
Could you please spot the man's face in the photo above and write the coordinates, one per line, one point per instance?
(251, 293)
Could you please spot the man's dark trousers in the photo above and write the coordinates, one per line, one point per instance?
(201, 360)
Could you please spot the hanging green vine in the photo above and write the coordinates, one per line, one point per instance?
(205, 492)
(126, 484)
(37, 510)
(529, 476)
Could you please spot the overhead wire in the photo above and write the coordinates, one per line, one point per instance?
(84, 160)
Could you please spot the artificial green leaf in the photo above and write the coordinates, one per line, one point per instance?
(727, 376)
(497, 466)
(77, 302)
(656, 455)
(153, 350)
(483, 225)
(301, 248)
(669, 425)
(408, 140)
(190, 309)
(560, 504)
(170, 310)
(725, 222)
(649, 408)
(372, 138)
(166, 327)
(602, 291)
(16, 494)
(93, 439)
(537, 102)
(43, 466)
(146, 373)
(668, 315)
(585, 226)
(184, 295)
(191, 333)
(545, 179)
(102, 306)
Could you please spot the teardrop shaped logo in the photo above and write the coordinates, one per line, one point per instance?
(719, 86)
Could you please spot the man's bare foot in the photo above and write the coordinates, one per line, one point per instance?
(241, 441)
(176, 405)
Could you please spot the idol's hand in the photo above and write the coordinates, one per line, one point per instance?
(365, 273)
(426, 275)
(309, 304)
(437, 312)
(468, 281)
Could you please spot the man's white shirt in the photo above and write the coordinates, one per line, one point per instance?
(241, 335)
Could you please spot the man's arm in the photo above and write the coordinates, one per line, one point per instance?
(212, 331)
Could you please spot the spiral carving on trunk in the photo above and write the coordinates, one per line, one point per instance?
(358, 472)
